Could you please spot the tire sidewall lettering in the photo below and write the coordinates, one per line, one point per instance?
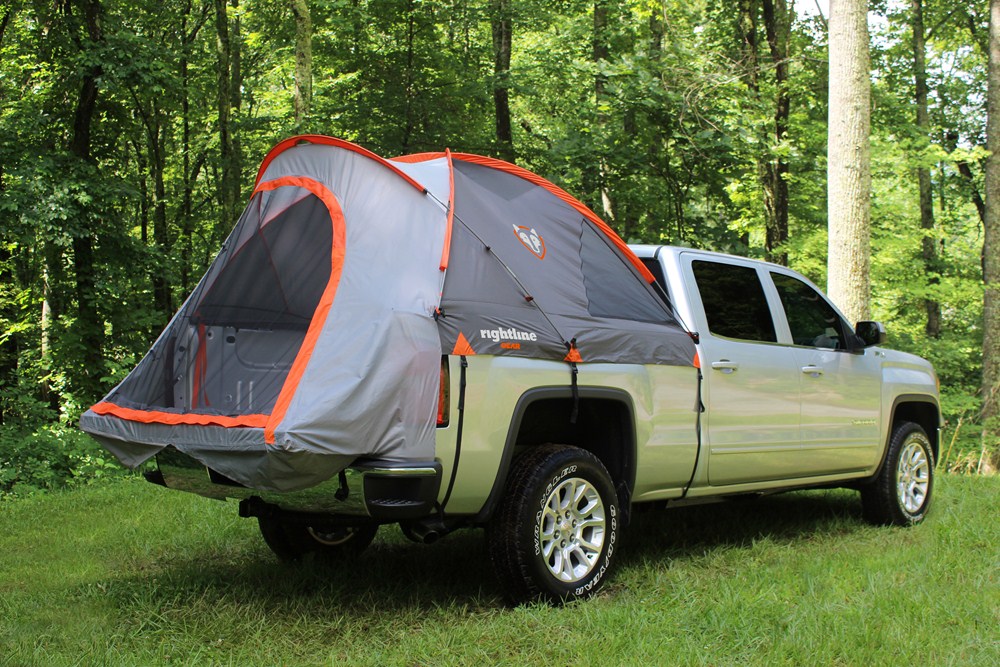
(553, 483)
(609, 551)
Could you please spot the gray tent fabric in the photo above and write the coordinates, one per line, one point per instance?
(583, 289)
(316, 335)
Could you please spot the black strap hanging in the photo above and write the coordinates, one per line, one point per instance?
(574, 388)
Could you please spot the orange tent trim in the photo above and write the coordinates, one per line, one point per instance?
(281, 147)
(325, 302)
(174, 419)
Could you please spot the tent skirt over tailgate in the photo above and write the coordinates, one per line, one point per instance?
(316, 335)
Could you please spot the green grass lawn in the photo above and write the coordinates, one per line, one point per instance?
(131, 574)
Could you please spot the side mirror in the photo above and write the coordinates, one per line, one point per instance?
(870, 333)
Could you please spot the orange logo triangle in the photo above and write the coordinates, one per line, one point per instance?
(462, 346)
(574, 356)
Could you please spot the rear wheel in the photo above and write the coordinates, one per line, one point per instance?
(291, 541)
(554, 535)
(901, 494)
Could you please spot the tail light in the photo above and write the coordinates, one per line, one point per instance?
(444, 403)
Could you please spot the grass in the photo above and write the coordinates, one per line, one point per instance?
(130, 574)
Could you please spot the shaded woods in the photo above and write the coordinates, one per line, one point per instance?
(130, 131)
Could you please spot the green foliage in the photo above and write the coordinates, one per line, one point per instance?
(51, 457)
(650, 118)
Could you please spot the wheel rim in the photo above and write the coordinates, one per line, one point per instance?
(333, 537)
(913, 477)
(572, 529)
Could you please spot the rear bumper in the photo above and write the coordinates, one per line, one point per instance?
(370, 489)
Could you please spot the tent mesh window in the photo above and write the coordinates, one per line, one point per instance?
(607, 294)
(229, 349)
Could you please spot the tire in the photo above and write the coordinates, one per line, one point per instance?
(543, 545)
(291, 542)
(901, 493)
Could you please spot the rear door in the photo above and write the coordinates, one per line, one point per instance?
(751, 389)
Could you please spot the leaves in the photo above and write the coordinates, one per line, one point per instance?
(660, 128)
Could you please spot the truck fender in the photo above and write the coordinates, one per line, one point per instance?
(624, 479)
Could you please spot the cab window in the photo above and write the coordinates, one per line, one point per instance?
(734, 301)
(811, 318)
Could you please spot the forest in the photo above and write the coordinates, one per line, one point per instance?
(131, 130)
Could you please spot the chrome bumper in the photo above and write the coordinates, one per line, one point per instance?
(380, 490)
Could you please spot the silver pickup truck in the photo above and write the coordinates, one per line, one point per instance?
(785, 394)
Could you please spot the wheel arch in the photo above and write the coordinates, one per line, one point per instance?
(920, 409)
(605, 427)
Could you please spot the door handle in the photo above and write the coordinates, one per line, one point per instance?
(814, 371)
(725, 366)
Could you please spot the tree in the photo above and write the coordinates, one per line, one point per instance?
(991, 253)
(501, 24)
(772, 126)
(302, 98)
(229, 83)
(849, 160)
(928, 242)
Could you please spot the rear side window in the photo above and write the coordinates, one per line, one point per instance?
(813, 321)
(734, 301)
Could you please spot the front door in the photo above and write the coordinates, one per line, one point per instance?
(841, 388)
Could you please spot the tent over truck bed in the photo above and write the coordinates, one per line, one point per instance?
(315, 338)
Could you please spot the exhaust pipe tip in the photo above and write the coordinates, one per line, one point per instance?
(424, 533)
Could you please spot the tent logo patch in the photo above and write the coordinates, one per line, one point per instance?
(506, 337)
(531, 240)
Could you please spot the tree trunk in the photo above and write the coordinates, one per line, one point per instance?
(161, 233)
(302, 98)
(778, 26)
(4, 22)
(408, 76)
(89, 323)
(235, 107)
(186, 217)
(849, 160)
(8, 307)
(928, 243)
(502, 42)
(991, 256)
(601, 53)
(224, 99)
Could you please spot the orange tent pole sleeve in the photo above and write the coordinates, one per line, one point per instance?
(282, 146)
(337, 254)
(446, 250)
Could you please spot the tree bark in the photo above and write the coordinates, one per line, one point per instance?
(302, 98)
(928, 243)
(90, 325)
(502, 43)
(8, 309)
(849, 160)
(4, 22)
(601, 52)
(229, 183)
(409, 79)
(778, 26)
(235, 107)
(991, 256)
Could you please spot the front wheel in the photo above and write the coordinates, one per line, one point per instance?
(901, 494)
(290, 541)
(554, 535)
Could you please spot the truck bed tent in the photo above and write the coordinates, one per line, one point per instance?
(316, 335)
